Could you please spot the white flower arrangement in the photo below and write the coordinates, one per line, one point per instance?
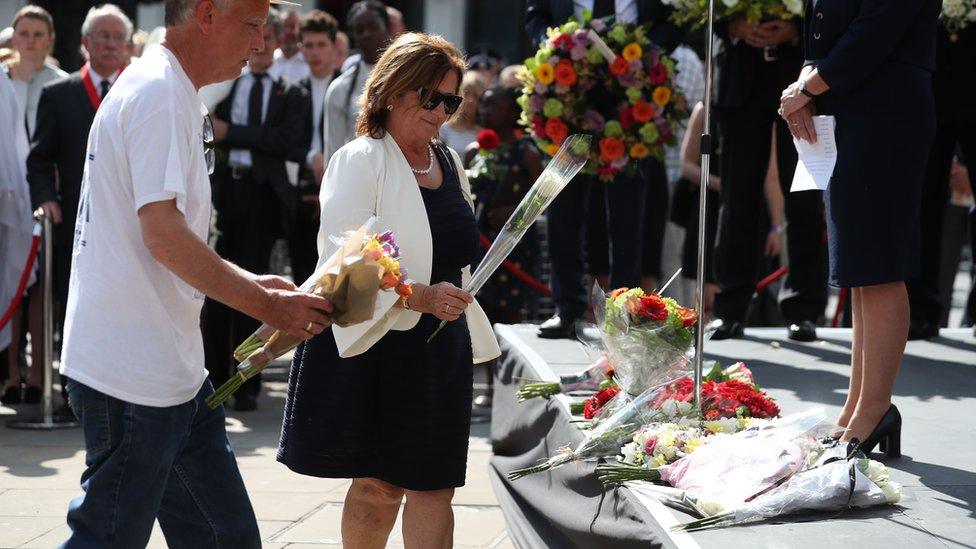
(958, 14)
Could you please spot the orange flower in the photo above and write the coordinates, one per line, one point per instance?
(611, 149)
(619, 66)
(404, 290)
(643, 111)
(661, 95)
(565, 73)
(552, 149)
(544, 73)
(556, 130)
(639, 150)
(616, 293)
(632, 52)
(389, 281)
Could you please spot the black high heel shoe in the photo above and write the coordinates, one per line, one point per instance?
(887, 435)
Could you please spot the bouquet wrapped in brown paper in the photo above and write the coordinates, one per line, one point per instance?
(351, 278)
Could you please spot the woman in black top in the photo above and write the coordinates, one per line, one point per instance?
(869, 64)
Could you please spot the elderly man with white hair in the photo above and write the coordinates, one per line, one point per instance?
(141, 268)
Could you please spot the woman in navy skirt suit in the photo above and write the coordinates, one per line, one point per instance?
(869, 64)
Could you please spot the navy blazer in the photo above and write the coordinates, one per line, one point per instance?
(57, 156)
(542, 14)
(850, 40)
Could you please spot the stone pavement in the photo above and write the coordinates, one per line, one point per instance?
(40, 471)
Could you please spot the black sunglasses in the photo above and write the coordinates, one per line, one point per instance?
(451, 102)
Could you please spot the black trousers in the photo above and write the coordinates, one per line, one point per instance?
(303, 240)
(746, 141)
(655, 219)
(567, 216)
(248, 223)
(923, 292)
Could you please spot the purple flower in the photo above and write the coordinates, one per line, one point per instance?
(620, 162)
(560, 89)
(652, 57)
(578, 52)
(540, 87)
(593, 121)
(385, 236)
(581, 36)
(598, 25)
(627, 80)
(535, 103)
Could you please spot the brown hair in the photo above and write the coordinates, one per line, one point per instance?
(35, 12)
(319, 21)
(412, 61)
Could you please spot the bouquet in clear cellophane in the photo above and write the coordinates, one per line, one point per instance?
(351, 278)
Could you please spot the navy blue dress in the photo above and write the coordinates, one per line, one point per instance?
(401, 411)
(877, 56)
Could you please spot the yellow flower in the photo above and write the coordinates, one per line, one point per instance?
(632, 52)
(692, 445)
(639, 150)
(552, 149)
(661, 96)
(545, 74)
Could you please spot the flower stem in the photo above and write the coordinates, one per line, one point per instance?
(611, 474)
(705, 522)
(537, 390)
(543, 466)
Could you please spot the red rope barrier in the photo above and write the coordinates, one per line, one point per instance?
(772, 277)
(24, 277)
(518, 273)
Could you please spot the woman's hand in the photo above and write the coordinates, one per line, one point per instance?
(750, 33)
(801, 124)
(792, 100)
(443, 300)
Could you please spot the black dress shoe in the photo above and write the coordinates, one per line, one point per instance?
(887, 435)
(32, 395)
(245, 402)
(726, 330)
(922, 330)
(11, 396)
(558, 327)
(804, 331)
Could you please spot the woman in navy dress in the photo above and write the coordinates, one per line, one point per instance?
(869, 64)
(374, 401)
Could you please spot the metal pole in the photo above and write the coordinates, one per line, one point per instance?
(47, 421)
(706, 157)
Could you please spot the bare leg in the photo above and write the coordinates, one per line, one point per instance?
(34, 320)
(369, 512)
(13, 352)
(428, 520)
(857, 360)
(884, 308)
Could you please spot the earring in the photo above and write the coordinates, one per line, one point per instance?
(389, 108)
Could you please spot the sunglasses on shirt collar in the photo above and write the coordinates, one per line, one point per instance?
(451, 102)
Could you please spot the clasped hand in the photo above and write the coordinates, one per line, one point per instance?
(798, 111)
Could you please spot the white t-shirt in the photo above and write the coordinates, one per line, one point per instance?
(132, 328)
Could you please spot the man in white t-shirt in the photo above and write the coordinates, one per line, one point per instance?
(141, 268)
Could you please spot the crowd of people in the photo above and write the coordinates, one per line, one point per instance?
(329, 121)
(276, 126)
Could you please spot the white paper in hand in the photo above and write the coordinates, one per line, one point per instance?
(816, 161)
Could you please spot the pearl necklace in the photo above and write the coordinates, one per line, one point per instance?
(430, 163)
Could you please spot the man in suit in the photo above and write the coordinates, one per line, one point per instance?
(758, 62)
(257, 126)
(57, 157)
(952, 82)
(625, 196)
(317, 36)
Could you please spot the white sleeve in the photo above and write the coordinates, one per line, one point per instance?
(348, 196)
(157, 148)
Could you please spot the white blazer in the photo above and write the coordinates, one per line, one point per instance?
(369, 177)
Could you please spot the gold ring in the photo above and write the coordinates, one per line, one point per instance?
(308, 328)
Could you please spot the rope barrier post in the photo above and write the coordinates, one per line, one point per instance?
(47, 421)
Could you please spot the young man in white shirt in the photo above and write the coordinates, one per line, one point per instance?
(141, 268)
(318, 34)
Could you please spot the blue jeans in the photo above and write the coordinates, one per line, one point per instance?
(144, 462)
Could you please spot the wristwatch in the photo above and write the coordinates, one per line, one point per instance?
(805, 91)
(404, 303)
